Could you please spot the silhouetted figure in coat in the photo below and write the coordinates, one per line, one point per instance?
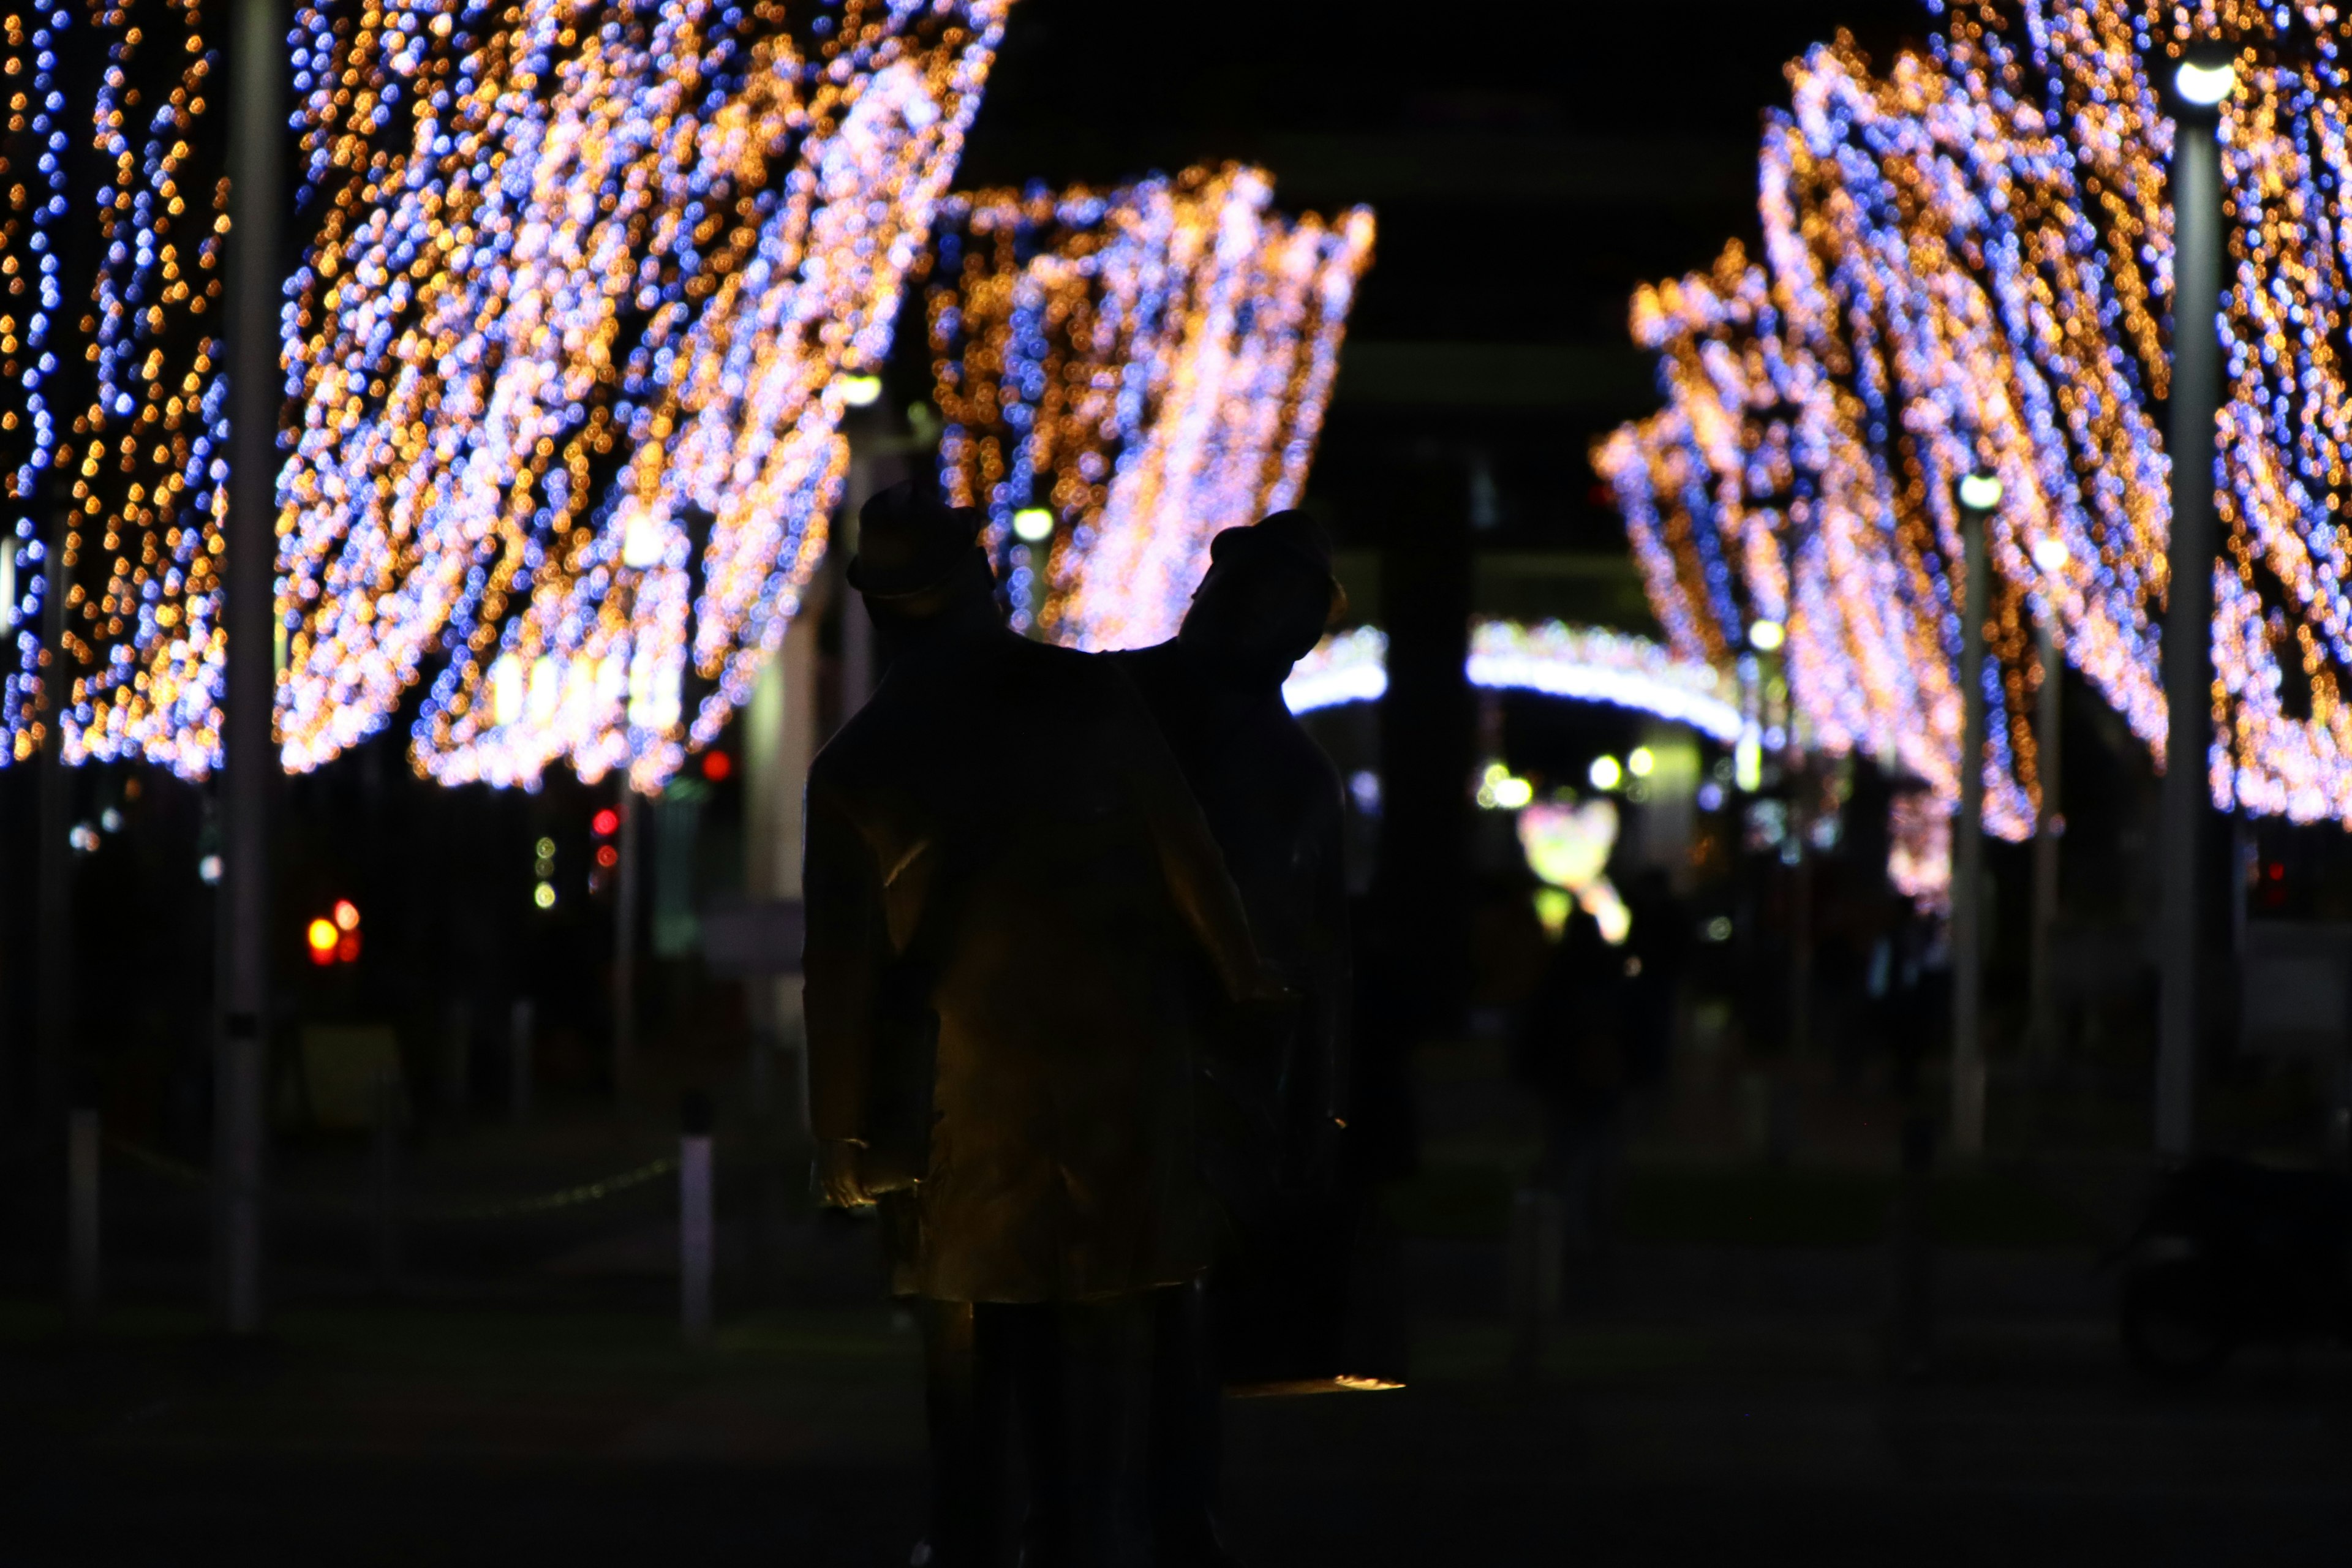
(1572, 1053)
(1270, 1117)
(1010, 896)
(1657, 947)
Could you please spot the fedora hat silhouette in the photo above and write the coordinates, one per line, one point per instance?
(909, 539)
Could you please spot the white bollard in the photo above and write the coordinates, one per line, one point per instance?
(518, 1066)
(384, 1180)
(1533, 1271)
(696, 1240)
(81, 1216)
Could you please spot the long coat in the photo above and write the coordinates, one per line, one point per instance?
(1281, 1310)
(1271, 799)
(1000, 849)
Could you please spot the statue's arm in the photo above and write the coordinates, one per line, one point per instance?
(846, 949)
(1195, 868)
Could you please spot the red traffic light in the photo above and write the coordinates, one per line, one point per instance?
(605, 823)
(716, 766)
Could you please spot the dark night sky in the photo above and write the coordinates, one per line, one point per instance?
(1529, 162)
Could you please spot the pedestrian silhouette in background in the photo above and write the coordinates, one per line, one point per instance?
(1573, 1054)
(1009, 890)
(1657, 949)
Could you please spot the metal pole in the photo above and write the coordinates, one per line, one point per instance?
(696, 1237)
(624, 951)
(2050, 738)
(1968, 853)
(256, 93)
(1801, 920)
(2188, 623)
(52, 859)
(81, 1218)
(458, 1058)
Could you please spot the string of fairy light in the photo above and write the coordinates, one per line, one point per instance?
(1966, 269)
(568, 350)
(1585, 664)
(28, 263)
(1124, 373)
(580, 290)
(106, 323)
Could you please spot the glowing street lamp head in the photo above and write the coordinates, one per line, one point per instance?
(2205, 82)
(1766, 636)
(1033, 525)
(1979, 492)
(860, 391)
(2051, 554)
(1605, 774)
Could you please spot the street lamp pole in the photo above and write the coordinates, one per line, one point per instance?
(256, 97)
(2200, 84)
(1978, 495)
(2050, 748)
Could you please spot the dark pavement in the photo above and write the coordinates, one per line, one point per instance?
(1712, 1406)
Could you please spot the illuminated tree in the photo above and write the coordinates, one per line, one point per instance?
(111, 424)
(1134, 370)
(1967, 267)
(566, 350)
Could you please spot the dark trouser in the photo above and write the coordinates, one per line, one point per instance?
(1077, 1376)
(1186, 1449)
(968, 1400)
(1582, 1149)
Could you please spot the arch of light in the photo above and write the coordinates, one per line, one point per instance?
(1587, 664)
(1147, 365)
(1967, 266)
(566, 352)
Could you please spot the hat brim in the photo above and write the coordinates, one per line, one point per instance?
(1222, 550)
(915, 577)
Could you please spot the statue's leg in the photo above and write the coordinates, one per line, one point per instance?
(1028, 1342)
(1186, 1450)
(1106, 1372)
(968, 1402)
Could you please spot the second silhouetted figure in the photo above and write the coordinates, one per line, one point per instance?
(1008, 889)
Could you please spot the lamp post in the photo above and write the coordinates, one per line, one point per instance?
(256, 79)
(2049, 555)
(2201, 84)
(625, 897)
(1978, 495)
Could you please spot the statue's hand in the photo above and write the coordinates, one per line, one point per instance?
(840, 1173)
(1310, 1156)
(1268, 991)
